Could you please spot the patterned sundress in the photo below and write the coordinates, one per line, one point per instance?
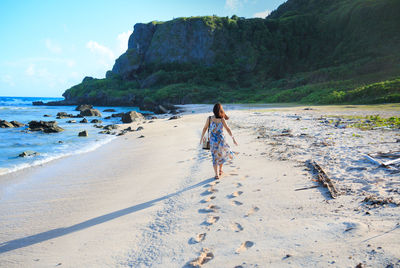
(220, 150)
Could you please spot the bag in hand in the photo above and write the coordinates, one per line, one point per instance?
(206, 140)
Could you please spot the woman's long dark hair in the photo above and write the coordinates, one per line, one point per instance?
(219, 111)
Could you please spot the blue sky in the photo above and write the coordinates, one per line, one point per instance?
(47, 46)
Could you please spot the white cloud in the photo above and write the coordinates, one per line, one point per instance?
(231, 4)
(122, 39)
(8, 79)
(53, 47)
(105, 55)
(30, 71)
(262, 14)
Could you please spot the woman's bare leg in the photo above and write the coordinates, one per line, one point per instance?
(216, 171)
(220, 170)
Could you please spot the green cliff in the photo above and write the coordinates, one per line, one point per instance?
(309, 51)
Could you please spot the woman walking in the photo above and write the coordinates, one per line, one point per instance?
(220, 150)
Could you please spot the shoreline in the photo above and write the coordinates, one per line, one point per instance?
(151, 201)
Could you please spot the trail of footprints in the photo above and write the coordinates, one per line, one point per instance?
(205, 255)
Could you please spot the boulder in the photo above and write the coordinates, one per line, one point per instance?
(98, 126)
(90, 112)
(83, 134)
(131, 116)
(129, 129)
(46, 115)
(110, 127)
(83, 121)
(94, 121)
(71, 121)
(17, 124)
(83, 107)
(61, 115)
(45, 126)
(5, 124)
(117, 115)
(109, 110)
(28, 153)
(139, 129)
(174, 117)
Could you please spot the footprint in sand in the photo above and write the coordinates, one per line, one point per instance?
(198, 238)
(236, 203)
(209, 209)
(238, 185)
(208, 199)
(210, 190)
(244, 246)
(235, 194)
(205, 256)
(252, 211)
(233, 174)
(236, 227)
(211, 220)
(213, 183)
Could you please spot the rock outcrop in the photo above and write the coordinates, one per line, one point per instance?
(131, 116)
(45, 126)
(90, 112)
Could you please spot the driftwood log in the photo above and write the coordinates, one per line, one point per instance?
(324, 179)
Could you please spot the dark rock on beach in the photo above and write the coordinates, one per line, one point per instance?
(90, 112)
(17, 124)
(84, 121)
(46, 115)
(83, 134)
(71, 121)
(5, 124)
(174, 117)
(45, 126)
(131, 116)
(117, 115)
(107, 117)
(28, 153)
(83, 107)
(139, 129)
(110, 127)
(94, 121)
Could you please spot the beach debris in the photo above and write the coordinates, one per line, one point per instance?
(83, 107)
(244, 246)
(109, 110)
(131, 116)
(140, 137)
(324, 179)
(96, 121)
(83, 134)
(307, 188)
(375, 201)
(205, 256)
(45, 126)
(83, 121)
(387, 164)
(28, 153)
(174, 117)
(90, 112)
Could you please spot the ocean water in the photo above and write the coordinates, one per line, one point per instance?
(14, 141)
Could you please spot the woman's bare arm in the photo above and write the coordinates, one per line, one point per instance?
(228, 130)
(205, 129)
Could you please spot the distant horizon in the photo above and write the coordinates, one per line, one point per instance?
(44, 51)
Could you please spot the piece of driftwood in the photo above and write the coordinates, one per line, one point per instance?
(391, 162)
(383, 164)
(306, 188)
(325, 180)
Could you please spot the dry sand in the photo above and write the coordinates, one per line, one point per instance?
(153, 202)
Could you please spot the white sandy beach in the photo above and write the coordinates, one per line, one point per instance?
(153, 202)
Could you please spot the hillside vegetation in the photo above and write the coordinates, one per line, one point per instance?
(307, 51)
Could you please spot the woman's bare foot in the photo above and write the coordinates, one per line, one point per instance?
(216, 177)
(221, 173)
